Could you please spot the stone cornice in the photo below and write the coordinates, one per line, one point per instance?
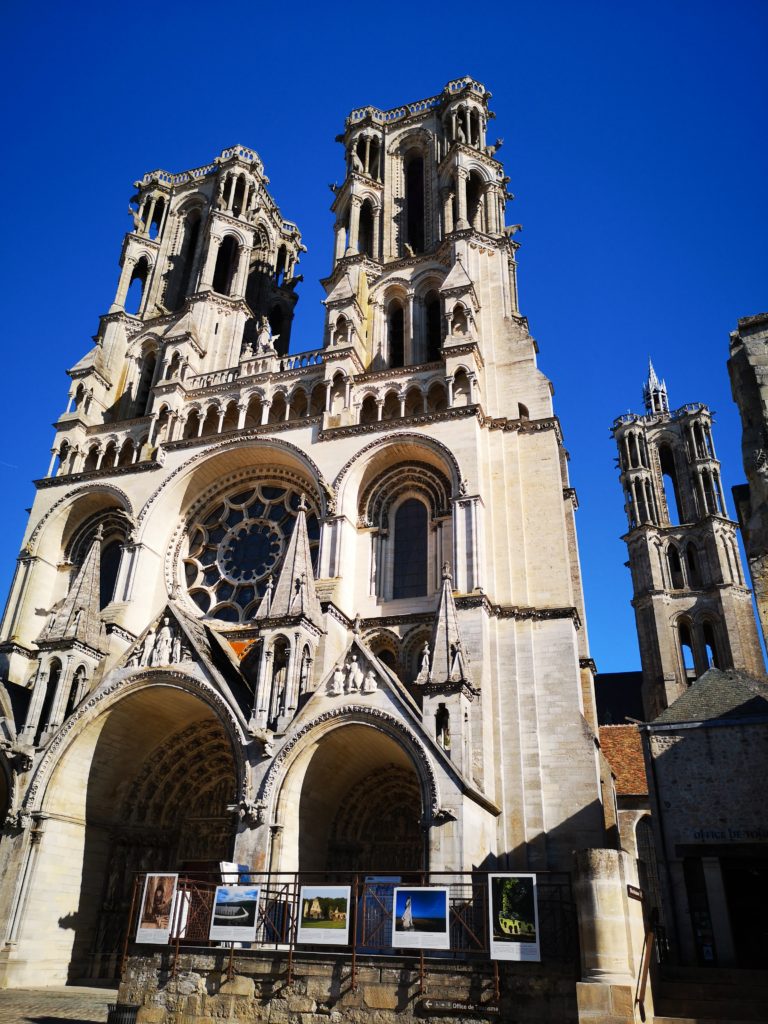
(96, 474)
(331, 433)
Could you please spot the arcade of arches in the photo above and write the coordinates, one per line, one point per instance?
(145, 786)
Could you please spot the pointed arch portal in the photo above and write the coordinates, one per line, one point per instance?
(360, 805)
(144, 785)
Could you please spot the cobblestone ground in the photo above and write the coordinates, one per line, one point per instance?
(54, 1005)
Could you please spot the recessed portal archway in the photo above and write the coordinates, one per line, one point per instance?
(144, 786)
(353, 802)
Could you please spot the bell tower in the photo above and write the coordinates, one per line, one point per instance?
(692, 607)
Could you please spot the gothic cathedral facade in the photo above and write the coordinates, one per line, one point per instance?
(304, 610)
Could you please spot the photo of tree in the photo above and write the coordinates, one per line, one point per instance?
(513, 917)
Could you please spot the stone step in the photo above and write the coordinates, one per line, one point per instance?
(714, 990)
(699, 1020)
(725, 1009)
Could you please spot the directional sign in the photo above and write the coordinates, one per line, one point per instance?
(442, 1006)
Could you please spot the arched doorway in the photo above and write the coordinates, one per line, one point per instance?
(360, 805)
(144, 786)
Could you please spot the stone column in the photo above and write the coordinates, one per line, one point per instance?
(124, 283)
(341, 232)
(241, 274)
(354, 224)
(462, 177)
(265, 410)
(375, 241)
(206, 279)
(607, 989)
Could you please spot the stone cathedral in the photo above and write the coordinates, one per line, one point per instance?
(304, 610)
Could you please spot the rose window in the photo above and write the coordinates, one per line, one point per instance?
(237, 544)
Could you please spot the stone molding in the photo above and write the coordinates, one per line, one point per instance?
(358, 714)
(109, 694)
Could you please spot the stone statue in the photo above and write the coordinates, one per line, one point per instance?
(423, 675)
(176, 649)
(137, 222)
(357, 163)
(354, 675)
(408, 249)
(149, 643)
(264, 337)
(337, 682)
(370, 683)
(161, 654)
(460, 133)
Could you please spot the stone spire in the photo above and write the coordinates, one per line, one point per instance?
(655, 392)
(294, 592)
(77, 616)
(449, 661)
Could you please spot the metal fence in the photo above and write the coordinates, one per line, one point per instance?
(371, 924)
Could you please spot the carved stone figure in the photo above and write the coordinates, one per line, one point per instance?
(357, 163)
(149, 643)
(161, 652)
(354, 675)
(426, 655)
(337, 682)
(370, 683)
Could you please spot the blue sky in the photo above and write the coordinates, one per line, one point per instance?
(634, 140)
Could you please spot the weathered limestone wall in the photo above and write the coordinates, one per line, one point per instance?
(387, 991)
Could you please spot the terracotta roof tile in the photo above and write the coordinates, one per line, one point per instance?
(623, 750)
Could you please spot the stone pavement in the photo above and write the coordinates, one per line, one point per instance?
(52, 1005)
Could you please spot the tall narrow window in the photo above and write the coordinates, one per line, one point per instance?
(692, 558)
(710, 646)
(675, 568)
(396, 335)
(54, 674)
(434, 327)
(410, 563)
(226, 265)
(144, 385)
(184, 262)
(136, 287)
(669, 476)
(365, 230)
(414, 202)
(686, 651)
(475, 201)
(110, 563)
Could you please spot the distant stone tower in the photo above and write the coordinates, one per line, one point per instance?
(691, 604)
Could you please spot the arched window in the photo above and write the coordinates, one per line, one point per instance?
(184, 262)
(710, 646)
(253, 412)
(282, 259)
(410, 564)
(136, 287)
(365, 230)
(475, 201)
(443, 728)
(369, 410)
(238, 201)
(192, 425)
(414, 201)
(226, 266)
(692, 558)
(110, 564)
(460, 388)
(686, 651)
(278, 694)
(92, 459)
(396, 334)
(675, 568)
(669, 478)
(157, 218)
(144, 386)
(434, 327)
(54, 674)
(75, 688)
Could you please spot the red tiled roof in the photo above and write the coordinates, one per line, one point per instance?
(624, 753)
